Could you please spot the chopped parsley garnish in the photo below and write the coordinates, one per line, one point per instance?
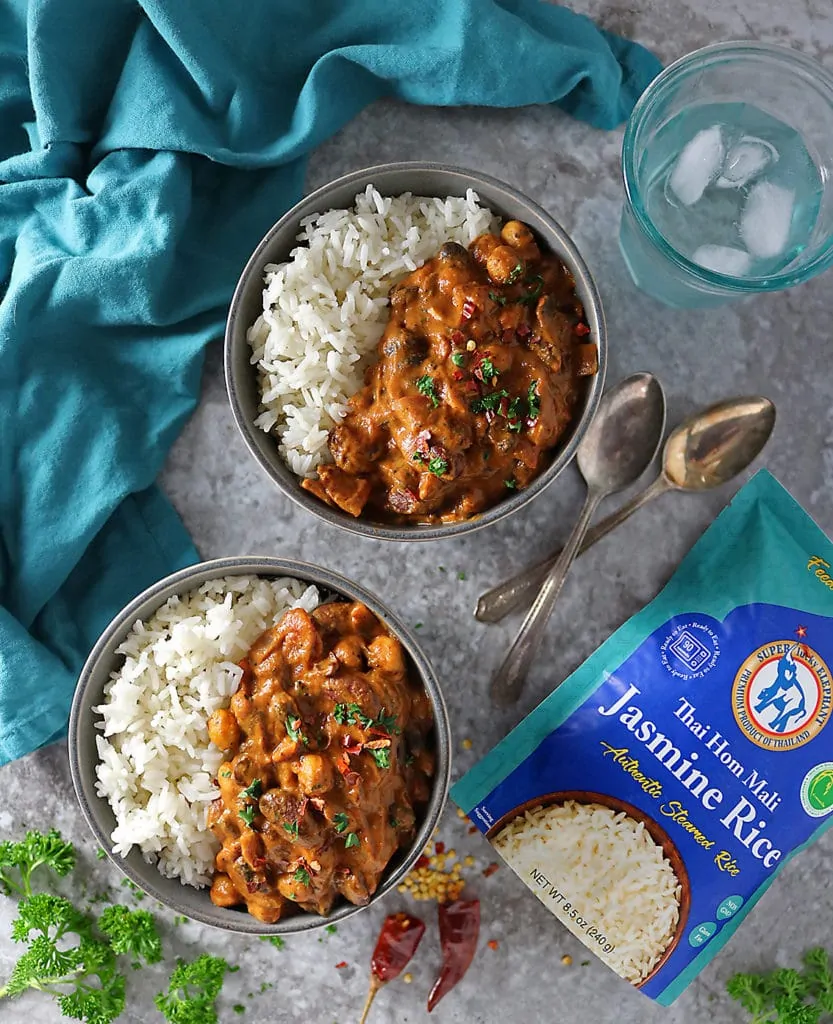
(302, 875)
(533, 401)
(488, 368)
(381, 757)
(489, 403)
(388, 722)
(100, 853)
(293, 728)
(351, 839)
(409, 760)
(276, 941)
(461, 575)
(239, 1008)
(292, 828)
(458, 359)
(441, 568)
(516, 273)
(418, 625)
(252, 791)
(511, 484)
(351, 714)
(514, 413)
(247, 813)
(226, 774)
(501, 300)
(393, 821)
(426, 386)
(438, 466)
(340, 822)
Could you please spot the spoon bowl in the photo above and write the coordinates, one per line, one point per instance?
(716, 444)
(624, 438)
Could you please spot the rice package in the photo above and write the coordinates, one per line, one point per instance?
(653, 797)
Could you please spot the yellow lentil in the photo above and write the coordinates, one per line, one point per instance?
(467, 744)
(461, 814)
(566, 959)
(469, 861)
(470, 345)
(408, 978)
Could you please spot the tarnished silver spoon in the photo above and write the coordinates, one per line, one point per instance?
(707, 450)
(618, 447)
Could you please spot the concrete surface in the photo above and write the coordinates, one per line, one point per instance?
(774, 345)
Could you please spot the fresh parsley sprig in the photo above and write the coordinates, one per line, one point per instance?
(785, 995)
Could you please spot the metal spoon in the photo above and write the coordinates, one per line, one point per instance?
(618, 447)
(707, 450)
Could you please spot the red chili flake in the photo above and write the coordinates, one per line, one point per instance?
(214, 782)
(522, 330)
(252, 886)
(352, 746)
(343, 765)
(493, 943)
(490, 416)
(258, 863)
(439, 847)
(468, 309)
(317, 803)
(478, 373)
(503, 408)
(458, 375)
(340, 964)
(490, 870)
(582, 329)
(472, 386)
(472, 829)
(377, 744)
(458, 338)
(351, 778)
(422, 862)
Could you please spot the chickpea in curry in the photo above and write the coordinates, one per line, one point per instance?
(477, 379)
(328, 761)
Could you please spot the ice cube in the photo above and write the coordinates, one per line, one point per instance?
(765, 220)
(698, 165)
(748, 158)
(723, 259)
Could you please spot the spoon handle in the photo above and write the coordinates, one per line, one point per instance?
(511, 676)
(506, 597)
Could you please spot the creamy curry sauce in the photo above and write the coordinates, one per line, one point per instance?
(328, 761)
(477, 380)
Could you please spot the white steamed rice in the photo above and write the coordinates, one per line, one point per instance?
(156, 763)
(325, 310)
(611, 871)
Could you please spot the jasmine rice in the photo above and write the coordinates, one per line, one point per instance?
(325, 309)
(156, 763)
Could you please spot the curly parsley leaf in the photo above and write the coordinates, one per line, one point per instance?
(132, 932)
(351, 839)
(381, 757)
(18, 861)
(248, 813)
(301, 875)
(193, 990)
(427, 386)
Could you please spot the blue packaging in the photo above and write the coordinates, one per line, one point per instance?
(652, 798)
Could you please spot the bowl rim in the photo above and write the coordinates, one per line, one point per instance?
(652, 827)
(235, 336)
(241, 921)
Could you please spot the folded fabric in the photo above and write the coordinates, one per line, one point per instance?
(144, 150)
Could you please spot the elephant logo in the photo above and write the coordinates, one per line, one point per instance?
(781, 695)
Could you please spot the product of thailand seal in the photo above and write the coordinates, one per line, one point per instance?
(652, 799)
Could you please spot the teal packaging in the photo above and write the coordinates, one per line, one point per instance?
(655, 795)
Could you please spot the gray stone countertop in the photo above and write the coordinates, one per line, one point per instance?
(772, 345)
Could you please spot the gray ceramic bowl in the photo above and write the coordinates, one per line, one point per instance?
(195, 903)
(394, 179)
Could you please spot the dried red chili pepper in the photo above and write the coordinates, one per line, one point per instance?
(582, 329)
(397, 943)
(459, 929)
(468, 309)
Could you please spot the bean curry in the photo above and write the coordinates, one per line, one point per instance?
(328, 762)
(476, 381)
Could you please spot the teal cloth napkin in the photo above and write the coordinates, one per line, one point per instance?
(144, 150)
